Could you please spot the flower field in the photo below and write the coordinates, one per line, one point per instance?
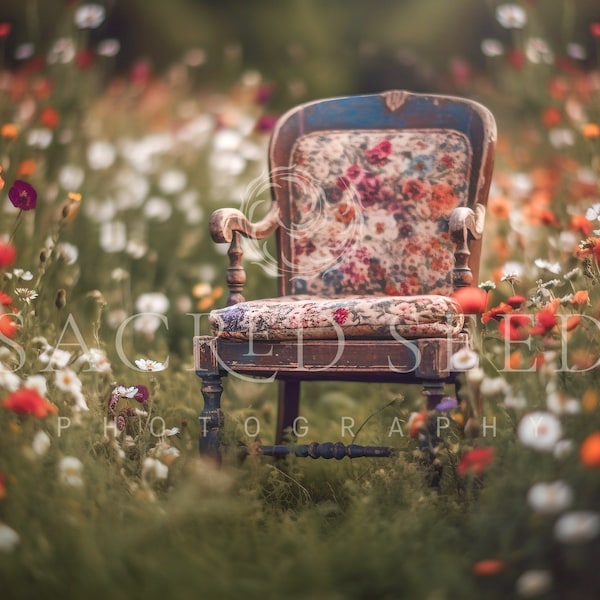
(107, 181)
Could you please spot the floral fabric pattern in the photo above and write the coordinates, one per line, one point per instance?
(370, 210)
(339, 318)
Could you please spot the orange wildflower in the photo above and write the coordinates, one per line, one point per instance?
(572, 322)
(589, 451)
(499, 207)
(581, 224)
(9, 131)
(591, 131)
(580, 298)
(589, 400)
(26, 168)
(514, 360)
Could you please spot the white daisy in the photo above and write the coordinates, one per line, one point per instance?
(533, 583)
(550, 498)
(89, 16)
(67, 381)
(9, 538)
(464, 359)
(70, 469)
(37, 383)
(145, 364)
(577, 526)
(540, 430)
(40, 443)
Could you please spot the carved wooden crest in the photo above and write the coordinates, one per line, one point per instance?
(394, 99)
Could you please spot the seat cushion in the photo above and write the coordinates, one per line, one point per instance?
(312, 317)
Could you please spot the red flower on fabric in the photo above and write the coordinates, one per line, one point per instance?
(29, 402)
(353, 171)
(475, 461)
(22, 195)
(340, 315)
(8, 253)
(378, 155)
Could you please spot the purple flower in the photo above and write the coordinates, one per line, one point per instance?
(142, 394)
(447, 403)
(22, 195)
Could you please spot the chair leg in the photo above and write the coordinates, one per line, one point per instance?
(433, 390)
(211, 418)
(288, 407)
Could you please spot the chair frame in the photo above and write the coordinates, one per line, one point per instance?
(425, 361)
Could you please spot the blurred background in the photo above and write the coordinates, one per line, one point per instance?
(309, 48)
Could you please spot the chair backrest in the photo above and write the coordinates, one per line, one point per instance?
(365, 187)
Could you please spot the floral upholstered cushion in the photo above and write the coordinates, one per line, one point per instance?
(338, 318)
(370, 209)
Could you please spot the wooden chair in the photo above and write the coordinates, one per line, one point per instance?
(378, 205)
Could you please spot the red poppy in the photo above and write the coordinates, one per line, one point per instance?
(49, 117)
(551, 117)
(29, 402)
(489, 566)
(595, 29)
(516, 301)
(5, 29)
(545, 320)
(5, 299)
(8, 327)
(475, 461)
(84, 58)
(497, 312)
(8, 253)
(472, 299)
(514, 327)
(417, 422)
(22, 195)
(517, 59)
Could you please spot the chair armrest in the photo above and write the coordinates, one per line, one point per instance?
(225, 221)
(466, 224)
